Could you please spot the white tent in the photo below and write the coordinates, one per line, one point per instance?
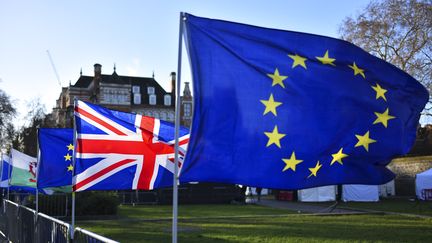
(318, 194)
(423, 181)
(387, 189)
(360, 193)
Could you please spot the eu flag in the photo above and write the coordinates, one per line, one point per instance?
(289, 110)
(55, 159)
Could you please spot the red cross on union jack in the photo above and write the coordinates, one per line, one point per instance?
(116, 147)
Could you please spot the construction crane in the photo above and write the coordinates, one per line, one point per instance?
(54, 68)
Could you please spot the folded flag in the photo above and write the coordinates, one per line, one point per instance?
(55, 157)
(289, 110)
(118, 150)
(24, 169)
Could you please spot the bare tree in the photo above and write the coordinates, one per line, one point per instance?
(398, 31)
(26, 136)
(7, 112)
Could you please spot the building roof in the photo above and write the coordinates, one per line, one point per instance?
(85, 81)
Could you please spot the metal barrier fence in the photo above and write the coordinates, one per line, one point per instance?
(20, 224)
(50, 229)
(82, 235)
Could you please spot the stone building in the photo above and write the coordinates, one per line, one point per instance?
(139, 95)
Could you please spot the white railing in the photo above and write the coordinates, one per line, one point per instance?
(82, 235)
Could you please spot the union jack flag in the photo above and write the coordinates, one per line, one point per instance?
(118, 150)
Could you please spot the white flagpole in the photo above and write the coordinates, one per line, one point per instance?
(9, 173)
(177, 127)
(73, 170)
(37, 173)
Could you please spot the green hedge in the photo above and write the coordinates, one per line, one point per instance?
(96, 203)
(86, 203)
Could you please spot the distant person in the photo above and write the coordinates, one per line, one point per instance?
(258, 192)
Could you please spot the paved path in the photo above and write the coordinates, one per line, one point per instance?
(302, 207)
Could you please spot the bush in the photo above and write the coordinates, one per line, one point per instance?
(96, 203)
(86, 203)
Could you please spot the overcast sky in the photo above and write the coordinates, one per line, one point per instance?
(140, 37)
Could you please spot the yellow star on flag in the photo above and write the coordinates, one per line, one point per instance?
(315, 169)
(274, 137)
(380, 92)
(70, 147)
(357, 70)
(337, 157)
(70, 167)
(270, 105)
(277, 78)
(364, 141)
(326, 59)
(291, 163)
(67, 157)
(298, 60)
(383, 117)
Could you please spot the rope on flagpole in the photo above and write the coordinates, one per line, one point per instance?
(177, 127)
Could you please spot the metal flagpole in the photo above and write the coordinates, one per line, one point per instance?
(9, 173)
(1, 176)
(177, 127)
(37, 179)
(37, 173)
(73, 171)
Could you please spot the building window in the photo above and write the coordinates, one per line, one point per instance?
(150, 90)
(171, 117)
(167, 100)
(152, 99)
(135, 89)
(187, 110)
(156, 114)
(163, 115)
(137, 99)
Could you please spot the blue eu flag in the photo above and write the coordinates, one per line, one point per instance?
(289, 110)
(55, 157)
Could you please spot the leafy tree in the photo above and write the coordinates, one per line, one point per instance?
(7, 112)
(398, 31)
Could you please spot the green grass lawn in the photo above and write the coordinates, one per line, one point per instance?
(206, 223)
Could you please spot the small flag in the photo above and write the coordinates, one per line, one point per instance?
(24, 169)
(289, 110)
(55, 157)
(5, 171)
(118, 150)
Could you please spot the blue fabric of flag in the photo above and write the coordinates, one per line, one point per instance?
(5, 171)
(289, 110)
(55, 159)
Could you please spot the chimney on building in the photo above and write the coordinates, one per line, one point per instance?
(173, 88)
(97, 71)
(96, 83)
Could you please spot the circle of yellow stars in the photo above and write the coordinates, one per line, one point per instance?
(68, 157)
(271, 105)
